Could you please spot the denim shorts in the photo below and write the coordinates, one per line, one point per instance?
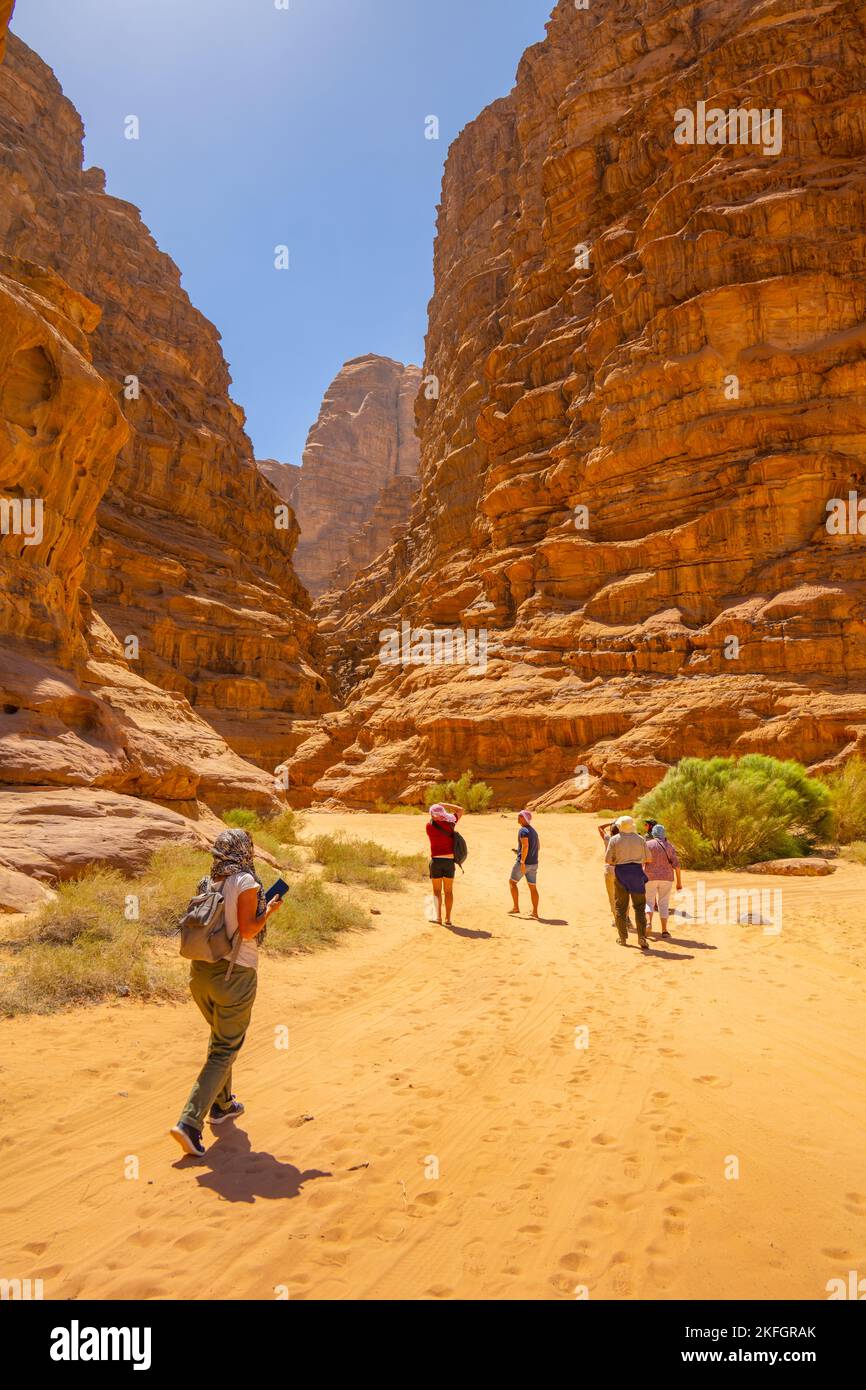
(530, 870)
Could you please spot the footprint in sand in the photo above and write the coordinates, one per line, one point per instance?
(622, 1280)
(716, 1081)
(690, 1182)
(576, 1259)
(192, 1240)
(428, 1199)
(672, 1222)
(335, 1236)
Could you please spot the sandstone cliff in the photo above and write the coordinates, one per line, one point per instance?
(652, 361)
(285, 477)
(152, 622)
(362, 446)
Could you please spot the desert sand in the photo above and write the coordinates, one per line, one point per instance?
(560, 1168)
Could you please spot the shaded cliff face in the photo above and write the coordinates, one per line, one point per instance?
(652, 368)
(125, 517)
(363, 440)
(164, 561)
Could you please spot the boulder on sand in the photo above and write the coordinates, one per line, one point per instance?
(803, 868)
(18, 893)
(52, 833)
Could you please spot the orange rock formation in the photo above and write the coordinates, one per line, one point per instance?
(359, 472)
(651, 360)
(153, 628)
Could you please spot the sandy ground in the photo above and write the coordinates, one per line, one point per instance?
(415, 1050)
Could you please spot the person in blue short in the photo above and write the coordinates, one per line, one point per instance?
(526, 865)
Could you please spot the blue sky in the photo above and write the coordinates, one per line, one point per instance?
(304, 127)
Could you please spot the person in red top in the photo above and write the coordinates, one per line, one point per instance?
(440, 833)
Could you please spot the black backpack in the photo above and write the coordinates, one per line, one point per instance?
(461, 850)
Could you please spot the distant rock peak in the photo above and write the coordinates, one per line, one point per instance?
(362, 441)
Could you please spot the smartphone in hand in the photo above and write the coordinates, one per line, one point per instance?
(277, 890)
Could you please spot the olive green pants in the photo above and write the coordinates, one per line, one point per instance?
(638, 901)
(227, 1006)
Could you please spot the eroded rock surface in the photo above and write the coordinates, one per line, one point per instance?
(652, 368)
(154, 506)
(153, 628)
(359, 471)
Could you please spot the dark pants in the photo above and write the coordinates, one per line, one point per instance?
(638, 902)
(226, 1006)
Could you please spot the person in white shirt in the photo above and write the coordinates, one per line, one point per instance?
(226, 1004)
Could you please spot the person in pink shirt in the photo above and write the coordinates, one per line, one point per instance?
(662, 867)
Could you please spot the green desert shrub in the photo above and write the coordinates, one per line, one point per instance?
(465, 792)
(93, 904)
(244, 820)
(848, 799)
(365, 862)
(311, 915)
(285, 855)
(82, 947)
(736, 811)
(270, 833)
(90, 905)
(46, 976)
(287, 824)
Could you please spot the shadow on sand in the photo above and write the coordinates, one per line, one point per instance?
(240, 1174)
(686, 941)
(464, 931)
(655, 950)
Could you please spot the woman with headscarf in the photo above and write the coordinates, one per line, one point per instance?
(661, 867)
(440, 833)
(226, 1004)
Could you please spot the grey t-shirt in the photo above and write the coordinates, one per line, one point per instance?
(248, 951)
(627, 849)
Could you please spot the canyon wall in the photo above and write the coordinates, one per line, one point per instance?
(155, 638)
(359, 470)
(651, 359)
(285, 477)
